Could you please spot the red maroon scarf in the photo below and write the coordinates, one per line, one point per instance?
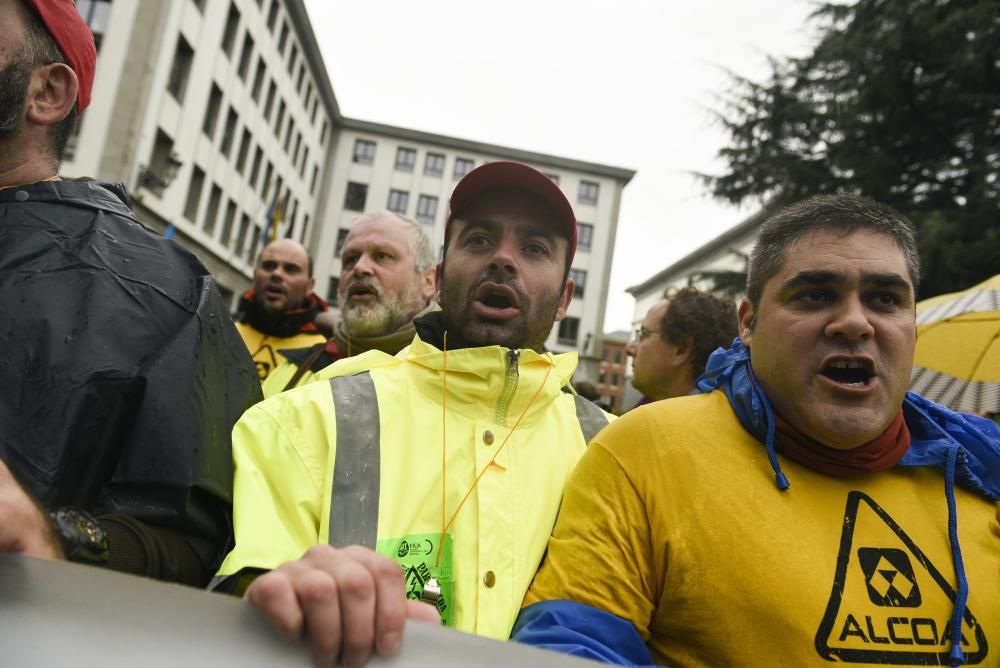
(877, 455)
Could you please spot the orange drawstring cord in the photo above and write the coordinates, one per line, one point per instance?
(447, 525)
(444, 448)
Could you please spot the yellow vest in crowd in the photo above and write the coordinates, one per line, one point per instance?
(496, 412)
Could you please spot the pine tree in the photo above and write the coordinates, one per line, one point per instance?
(899, 100)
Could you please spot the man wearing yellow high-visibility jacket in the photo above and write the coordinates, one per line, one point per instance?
(449, 458)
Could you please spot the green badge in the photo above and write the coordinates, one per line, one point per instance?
(418, 555)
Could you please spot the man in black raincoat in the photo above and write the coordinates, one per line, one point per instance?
(120, 372)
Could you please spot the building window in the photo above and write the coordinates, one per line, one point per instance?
(159, 162)
(585, 233)
(553, 177)
(229, 32)
(269, 102)
(364, 151)
(181, 68)
(255, 235)
(212, 209)
(280, 119)
(427, 207)
(398, 201)
(227, 223)
(241, 236)
(406, 158)
(244, 151)
(258, 158)
(332, 288)
(357, 194)
(272, 15)
(434, 164)
(579, 276)
(341, 238)
(229, 133)
(618, 356)
(266, 183)
(258, 79)
(246, 53)
(294, 59)
(568, 330)
(194, 193)
(588, 192)
(305, 161)
(322, 137)
(462, 167)
(313, 180)
(96, 14)
(283, 37)
(212, 112)
(300, 78)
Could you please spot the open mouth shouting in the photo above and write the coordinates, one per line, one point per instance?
(362, 293)
(495, 301)
(849, 373)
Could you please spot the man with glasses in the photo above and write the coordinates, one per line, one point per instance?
(676, 337)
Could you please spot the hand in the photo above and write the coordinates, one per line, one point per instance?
(352, 601)
(24, 527)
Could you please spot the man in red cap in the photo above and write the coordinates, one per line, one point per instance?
(112, 338)
(434, 475)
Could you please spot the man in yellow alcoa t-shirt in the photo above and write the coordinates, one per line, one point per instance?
(805, 508)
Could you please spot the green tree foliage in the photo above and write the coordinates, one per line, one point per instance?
(899, 100)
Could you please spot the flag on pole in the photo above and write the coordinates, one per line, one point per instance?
(275, 216)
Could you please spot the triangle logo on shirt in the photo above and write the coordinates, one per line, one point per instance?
(889, 603)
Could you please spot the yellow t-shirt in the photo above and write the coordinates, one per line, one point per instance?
(264, 349)
(673, 522)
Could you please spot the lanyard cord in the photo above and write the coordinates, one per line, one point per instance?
(444, 450)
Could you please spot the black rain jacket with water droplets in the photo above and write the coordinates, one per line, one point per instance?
(121, 376)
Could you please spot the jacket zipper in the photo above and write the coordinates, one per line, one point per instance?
(509, 387)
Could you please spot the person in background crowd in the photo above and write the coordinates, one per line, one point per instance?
(447, 460)
(386, 280)
(671, 347)
(122, 375)
(805, 508)
(279, 310)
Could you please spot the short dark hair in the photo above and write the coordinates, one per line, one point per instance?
(708, 320)
(43, 50)
(843, 212)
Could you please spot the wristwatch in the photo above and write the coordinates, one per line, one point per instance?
(82, 537)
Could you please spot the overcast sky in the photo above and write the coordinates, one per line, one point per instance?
(626, 83)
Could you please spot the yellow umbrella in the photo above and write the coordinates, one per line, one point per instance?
(957, 361)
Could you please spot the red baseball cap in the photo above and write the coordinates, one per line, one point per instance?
(75, 41)
(516, 176)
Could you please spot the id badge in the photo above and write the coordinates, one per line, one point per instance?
(418, 555)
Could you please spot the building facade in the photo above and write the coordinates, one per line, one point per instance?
(220, 118)
(211, 112)
(379, 167)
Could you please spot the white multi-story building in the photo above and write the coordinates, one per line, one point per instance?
(213, 112)
(209, 111)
